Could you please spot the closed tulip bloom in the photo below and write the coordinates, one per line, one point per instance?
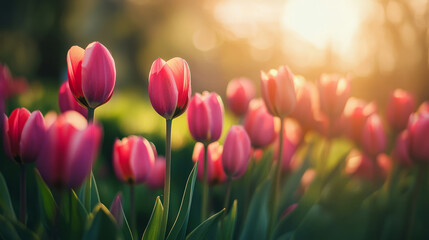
(399, 108)
(306, 109)
(69, 151)
(259, 124)
(334, 91)
(239, 92)
(67, 102)
(133, 158)
(156, 176)
(400, 151)
(205, 117)
(13, 132)
(278, 91)
(170, 87)
(356, 113)
(374, 139)
(236, 152)
(91, 74)
(418, 130)
(116, 210)
(215, 173)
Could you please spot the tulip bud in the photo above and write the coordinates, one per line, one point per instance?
(399, 108)
(306, 109)
(259, 124)
(69, 150)
(67, 102)
(215, 173)
(236, 152)
(91, 74)
(356, 112)
(239, 92)
(333, 94)
(156, 176)
(133, 158)
(205, 117)
(116, 210)
(401, 151)
(278, 91)
(13, 132)
(170, 87)
(374, 140)
(418, 129)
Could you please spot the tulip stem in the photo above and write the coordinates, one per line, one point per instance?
(133, 210)
(205, 186)
(413, 202)
(228, 192)
(275, 185)
(88, 192)
(167, 177)
(23, 195)
(90, 117)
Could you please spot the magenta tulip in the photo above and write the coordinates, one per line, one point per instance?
(170, 87)
(67, 102)
(91, 74)
(156, 176)
(239, 92)
(215, 173)
(418, 131)
(356, 113)
(399, 108)
(205, 117)
(117, 211)
(374, 139)
(401, 151)
(334, 91)
(259, 124)
(236, 152)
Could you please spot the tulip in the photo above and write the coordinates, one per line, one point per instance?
(69, 150)
(10, 86)
(157, 174)
(401, 151)
(333, 94)
(374, 139)
(278, 91)
(424, 107)
(236, 152)
(170, 87)
(306, 109)
(116, 210)
(359, 165)
(292, 136)
(133, 158)
(259, 124)
(356, 112)
(215, 173)
(91, 74)
(418, 141)
(239, 92)
(67, 102)
(399, 108)
(205, 117)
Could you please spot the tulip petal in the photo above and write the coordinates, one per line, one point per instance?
(215, 106)
(182, 77)
(74, 70)
(6, 141)
(141, 159)
(16, 122)
(33, 135)
(67, 102)
(198, 118)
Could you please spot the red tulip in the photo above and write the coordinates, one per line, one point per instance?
(67, 102)
(69, 150)
(236, 152)
(259, 124)
(215, 173)
(374, 139)
(170, 87)
(401, 151)
(156, 176)
(356, 112)
(333, 94)
(399, 108)
(91, 74)
(278, 91)
(418, 130)
(205, 117)
(133, 158)
(239, 92)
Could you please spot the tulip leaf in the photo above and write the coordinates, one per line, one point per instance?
(46, 199)
(6, 208)
(101, 224)
(180, 225)
(7, 231)
(94, 195)
(126, 230)
(201, 230)
(228, 224)
(73, 216)
(153, 228)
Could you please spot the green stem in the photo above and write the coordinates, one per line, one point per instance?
(325, 156)
(275, 185)
(88, 183)
(70, 205)
(413, 203)
(249, 185)
(133, 210)
(205, 186)
(228, 192)
(23, 195)
(167, 177)
(90, 117)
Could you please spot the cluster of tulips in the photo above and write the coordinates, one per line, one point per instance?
(260, 155)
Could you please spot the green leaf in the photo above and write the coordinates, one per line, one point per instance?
(185, 207)
(101, 224)
(95, 196)
(73, 216)
(228, 225)
(153, 228)
(201, 230)
(7, 231)
(6, 208)
(46, 199)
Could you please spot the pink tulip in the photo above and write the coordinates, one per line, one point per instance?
(156, 176)
(424, 107)
(356, 112)
(133, 158)
(418, 130)
(69, 150)
(399, 108)
(374, 139)
(333, 94)
(205, 117)
(306, 109)
(170, 87)
(278, 91)
(215, 173)
(24, 135)
(359, 165)
(10, 86)
(401, 152)
(91, 74)
(116, 210)
(239, 92)
(259, 124)
(67, 102)
(236, 152)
